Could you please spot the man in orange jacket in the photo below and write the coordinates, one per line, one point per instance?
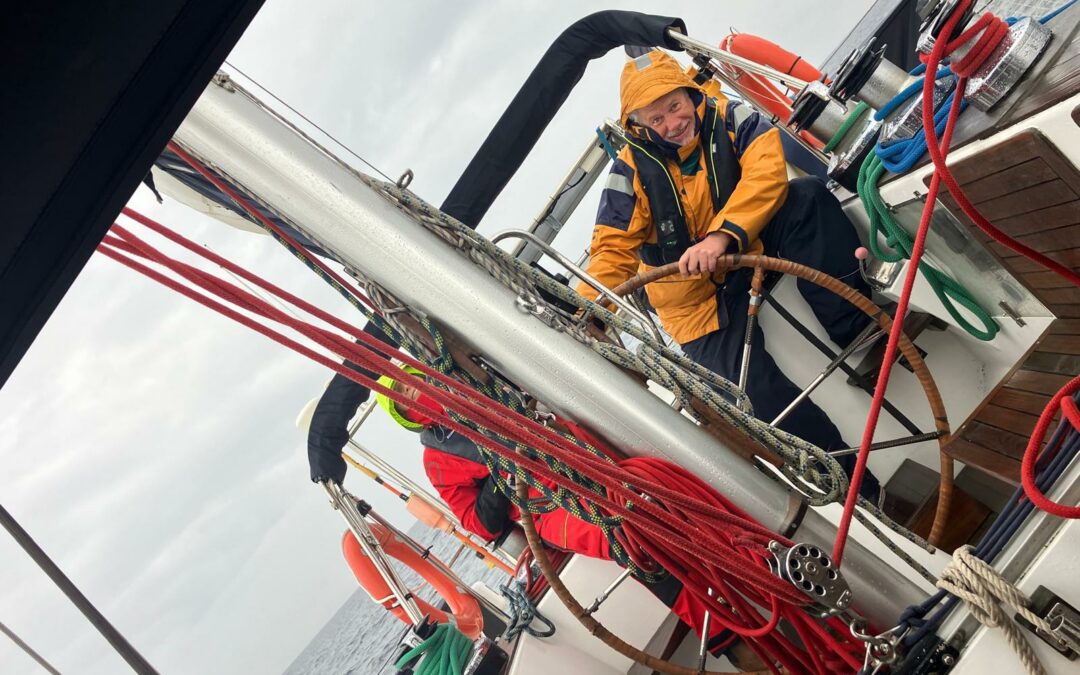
(702, 176)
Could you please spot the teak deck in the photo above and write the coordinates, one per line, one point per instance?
(1025, 187)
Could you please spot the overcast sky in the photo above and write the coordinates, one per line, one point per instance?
(149, 445)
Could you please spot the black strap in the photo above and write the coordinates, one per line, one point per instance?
(652, 256)
(721, 169)
(672, 233)
(445, 440)
(721, 164)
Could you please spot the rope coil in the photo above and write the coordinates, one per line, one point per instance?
(445, 652)
(985, 591)
(587, 484)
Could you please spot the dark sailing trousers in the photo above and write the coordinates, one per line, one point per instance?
(811, 229)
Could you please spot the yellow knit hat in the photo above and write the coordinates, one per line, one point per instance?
(387, 404)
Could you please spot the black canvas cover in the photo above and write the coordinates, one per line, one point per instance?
(92, 92)
(541, 96)
(896, 25)
(171, 164)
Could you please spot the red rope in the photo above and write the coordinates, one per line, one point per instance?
(684, 523)
(1064, 402)
(892, 346)
(246, 204)
(994, 27)
(990, 30)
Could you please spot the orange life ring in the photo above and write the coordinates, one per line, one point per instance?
(464, 607)
(761, 90)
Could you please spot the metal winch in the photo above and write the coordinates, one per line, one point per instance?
(867, 76)
(1003, 69)
(907, 120)
(816, 111)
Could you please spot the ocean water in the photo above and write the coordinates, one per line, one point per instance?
(362, 638)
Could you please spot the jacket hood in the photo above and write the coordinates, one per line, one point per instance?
(647, 78)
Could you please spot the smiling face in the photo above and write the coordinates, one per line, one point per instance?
(671, 116)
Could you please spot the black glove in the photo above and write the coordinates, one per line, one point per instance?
(492, 507)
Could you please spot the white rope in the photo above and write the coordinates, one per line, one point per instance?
(985, 591)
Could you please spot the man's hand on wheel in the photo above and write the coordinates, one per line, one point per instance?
(701, 257)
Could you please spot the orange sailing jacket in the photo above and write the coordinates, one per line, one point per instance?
(687, 306)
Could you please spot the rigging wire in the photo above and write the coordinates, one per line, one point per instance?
(304, 117)
(254, 291)
(28, 649)
(124, 648)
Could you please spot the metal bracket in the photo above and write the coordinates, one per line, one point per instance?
(222, 79)
(881, 650)
(929, 656)
(1065, 628)
(1012, 314)
(530, 304)
(1064, 620)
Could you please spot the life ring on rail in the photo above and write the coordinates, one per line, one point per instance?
(464, 608)
(763, 92)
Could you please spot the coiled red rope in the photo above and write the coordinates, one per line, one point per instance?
(1063, 401)
(991, 30)
(683, 523)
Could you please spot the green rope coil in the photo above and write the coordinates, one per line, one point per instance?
(949, 291)
(445, 652)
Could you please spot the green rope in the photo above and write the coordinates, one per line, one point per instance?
(853, 117)
(445, 652)
(899, 244)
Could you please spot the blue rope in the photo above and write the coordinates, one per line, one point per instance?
(1001, 532)
(1059, 10)
(900, 156)
(1045, 17)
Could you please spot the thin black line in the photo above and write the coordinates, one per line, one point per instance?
(309, 121)
(861, 381)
